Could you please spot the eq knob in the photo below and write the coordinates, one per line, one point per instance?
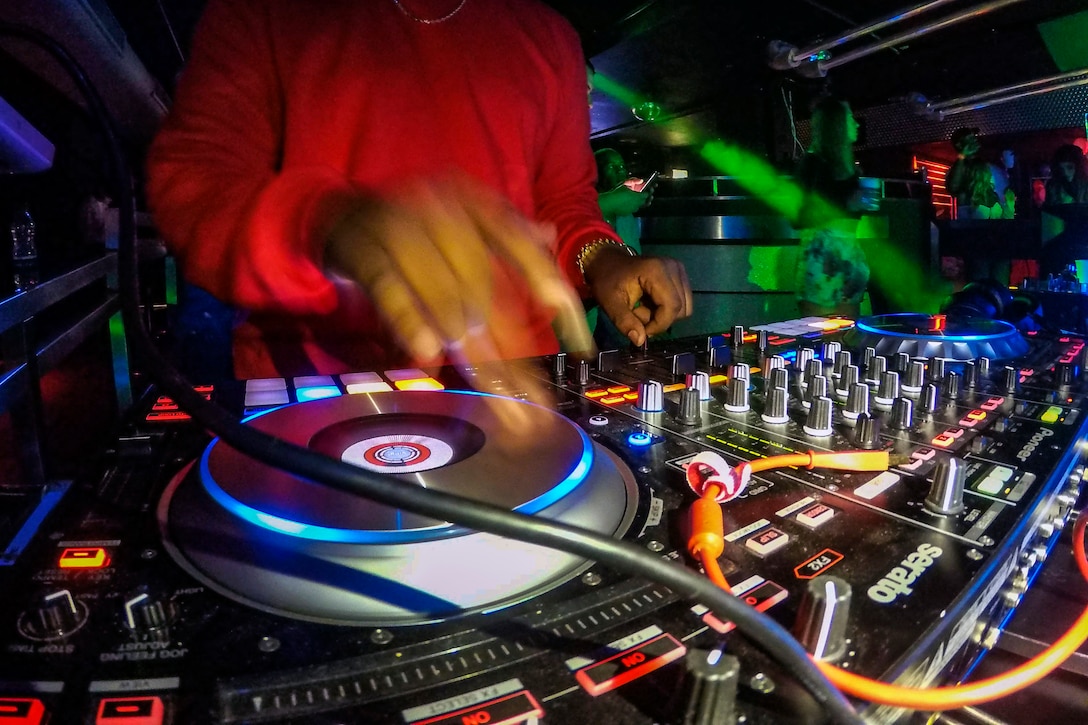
(814, 369)
(902, 417)
(780, 378)
(951, 386)
(701, 382)
(651, 397)
(818, 423)
(689, 412)
(823, 617)
(914, 377)
(559, 367)
(945, 496)
(847, 380)
(761, 340)
(888, 390)
(741, 371)
(736, 398)
(738, 335)
(830, 351)
(901, 362)
(843, 360)
(866, 356)
(867, 432)
(970, 375)
(804, 356)
(776, 406)
(774, 362)
(936, 368)
(817, 388)
(875, 369)
(857, 401)
(583, 373)
(710, 687)
(929, 401)
(983, 367)
(1010, 379)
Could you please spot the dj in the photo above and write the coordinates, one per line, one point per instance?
(395, 182)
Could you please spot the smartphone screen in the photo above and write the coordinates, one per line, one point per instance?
(640, 184)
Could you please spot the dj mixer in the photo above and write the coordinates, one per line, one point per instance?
(181, 582)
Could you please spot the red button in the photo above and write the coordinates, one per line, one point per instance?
(517, 707)
(130, 711)
(630, 664)
(21, 711)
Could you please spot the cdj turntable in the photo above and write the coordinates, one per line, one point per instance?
(182, 582)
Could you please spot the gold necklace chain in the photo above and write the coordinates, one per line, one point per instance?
(429, 21)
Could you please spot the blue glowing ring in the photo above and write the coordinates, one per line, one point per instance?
(1010, 330)
(315, 532)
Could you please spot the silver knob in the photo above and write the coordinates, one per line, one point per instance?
(847, 380)
(983, 367)
(774, 362)
(814, 369)
(689, 412)
(740, 370)
(946, 494)
(936, 368)
(857, 401)
(888, 389)
(780, 378)
(804, 355)
(867, 432)
(930, 400)
(902, 417)
(817, 388)
(901, 363)
(559, 366)
(651, 397)
(738, 335)
(866, 356)
(970, 375)
(875, 370)
(818, 423)
(583, 372)
(736, 399)
(951, 386)
(914, 377)
(842, 361)
(830, 350)
(761, 339)
(701, 382)
(776, 407)
(1011, 379)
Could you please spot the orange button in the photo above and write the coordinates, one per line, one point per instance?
(617, 389)
(92, 557)
(977, 415)
(943, 440)
(612, 399)
(673, 387)
(630, 396)
(597, 393)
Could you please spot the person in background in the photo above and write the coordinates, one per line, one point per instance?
(1068, 183)
(972, 180)
(369, 183)
(832, 272)
(1065, 240)
(618, 203)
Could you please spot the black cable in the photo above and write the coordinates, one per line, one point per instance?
(387, 490)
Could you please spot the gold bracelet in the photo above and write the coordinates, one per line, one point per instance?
(586, 254)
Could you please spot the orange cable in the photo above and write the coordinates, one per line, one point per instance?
(956, 696)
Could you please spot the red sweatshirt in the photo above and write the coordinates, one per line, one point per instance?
(287, 108)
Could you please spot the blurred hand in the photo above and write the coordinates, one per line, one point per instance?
(425, 262)
(620, 282)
